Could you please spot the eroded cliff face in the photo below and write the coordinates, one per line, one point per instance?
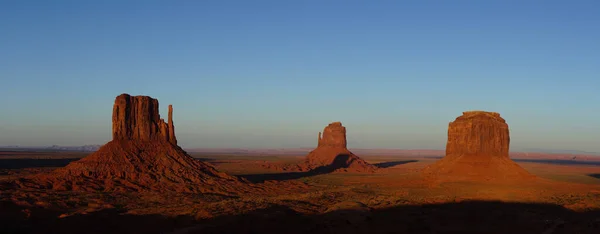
(477, 150)
(334, 135)
(478, 133)
(137, 118)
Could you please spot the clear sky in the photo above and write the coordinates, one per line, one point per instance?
(272, 74)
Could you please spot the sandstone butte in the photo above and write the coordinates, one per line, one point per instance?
(332, 153)
(142, 156)
(477, 149)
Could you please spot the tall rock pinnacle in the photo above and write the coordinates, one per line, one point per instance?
(171, 127)
(137, 118)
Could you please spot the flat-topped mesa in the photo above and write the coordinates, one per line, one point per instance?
(334, 135)
(481, 114)
(478, 133)
(137, 118)
(477, 150)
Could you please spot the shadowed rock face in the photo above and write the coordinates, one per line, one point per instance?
(478, 133)
(137, 118)
(477, 149)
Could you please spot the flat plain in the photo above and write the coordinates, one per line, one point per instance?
(564, 199)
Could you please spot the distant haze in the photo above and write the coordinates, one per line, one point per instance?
(272, 74)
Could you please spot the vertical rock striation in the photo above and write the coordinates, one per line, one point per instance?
(137, 118)
(478, 133)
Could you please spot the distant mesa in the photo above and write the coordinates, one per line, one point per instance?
(142, 156)
(477, 149)
(83, 148)
(332, 153)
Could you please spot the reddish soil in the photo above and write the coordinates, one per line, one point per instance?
(471, 167)
(393, 199)
(126, 165)
(142, 182)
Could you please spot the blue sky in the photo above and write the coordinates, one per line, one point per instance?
(272, 74)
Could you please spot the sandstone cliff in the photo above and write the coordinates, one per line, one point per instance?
(334, 135)
(142, 156)
(477, 149)
(137, 118)
(478, 133)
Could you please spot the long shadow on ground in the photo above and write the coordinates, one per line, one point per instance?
(337, 163)
(464, 217)
(394, 163)
(548, 161)
(205, 159)
(18, 219)
(32, 162)
(597, 176)
(259, 178)
(559, 162)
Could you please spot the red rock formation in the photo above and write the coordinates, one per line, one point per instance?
(332, 154)
(143, 155)
(477, 149)
(171, 127)
(137, 118)
(477, 133)
(334, 135)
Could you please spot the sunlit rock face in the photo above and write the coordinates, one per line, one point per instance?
(477, 150)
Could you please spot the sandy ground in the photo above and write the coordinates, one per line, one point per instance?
(565, 199)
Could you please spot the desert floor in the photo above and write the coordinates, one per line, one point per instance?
(565, 199)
